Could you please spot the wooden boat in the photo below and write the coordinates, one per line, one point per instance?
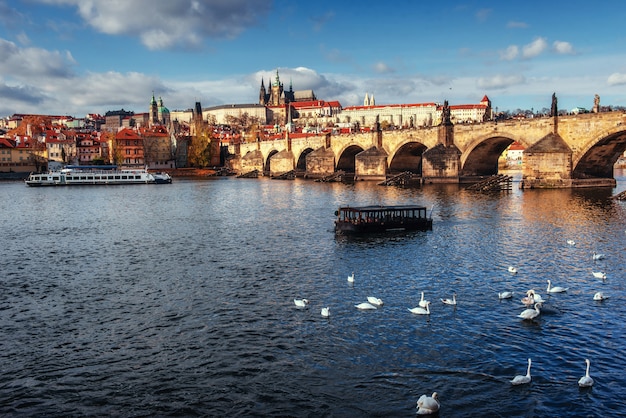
(95, 175)
(371, 219)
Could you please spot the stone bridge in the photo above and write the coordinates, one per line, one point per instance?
(565, 151)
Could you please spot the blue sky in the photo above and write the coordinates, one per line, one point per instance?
(73, 57)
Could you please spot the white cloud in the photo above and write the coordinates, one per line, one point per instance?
(23, 63)
(169, 24)
(517, 25)
(534, 48)
(382, 68)
(562, 47)
(510, 53)
(500, 81)
(616, 79)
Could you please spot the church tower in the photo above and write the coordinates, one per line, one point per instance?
(262, 94)
(154, 111)
(277, 92)
(366, 101)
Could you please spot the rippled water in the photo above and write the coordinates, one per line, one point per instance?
(177, 300)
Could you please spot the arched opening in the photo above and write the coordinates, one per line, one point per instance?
(599, 160)
(346, 161)
(407, 158)
(483, 159)
(268, 168)
(301, 164)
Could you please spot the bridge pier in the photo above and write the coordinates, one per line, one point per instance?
(371, 164)
(281, 162)
(441, 164)
(320, 163)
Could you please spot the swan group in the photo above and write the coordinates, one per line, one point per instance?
(427, 405)
(523, 379)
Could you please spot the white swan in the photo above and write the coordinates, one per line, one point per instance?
(571, 242)
(326, 312)
(537, 297)
(420, 311)
(597, 256)
(599, 274)
(505, 295)
(512, 270)
(301, 303)
(529, 314)
(520, 380)
(375, 301)
(427, 405)
(351, 278)
(365, 306)
(555, 289)
(586, 381)
(450, 301)
(423, 302)
(600, 296)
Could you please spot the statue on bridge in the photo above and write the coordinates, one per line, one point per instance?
(553, 109)
(445, 114)
(596, 104)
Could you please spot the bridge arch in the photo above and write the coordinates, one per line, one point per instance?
(268, 159)
(407, 157)
(481, 156)
(598, 156)
(301, 162)
(346, 160)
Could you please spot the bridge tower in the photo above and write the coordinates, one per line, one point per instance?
(442, 163)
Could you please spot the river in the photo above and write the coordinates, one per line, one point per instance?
(177, 300)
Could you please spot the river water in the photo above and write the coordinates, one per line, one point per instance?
(177, 300)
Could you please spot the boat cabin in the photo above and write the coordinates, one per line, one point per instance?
(382, 218)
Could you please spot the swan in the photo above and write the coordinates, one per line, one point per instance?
(597, 256)
(571, 242)
(519, 379)
(301, 303)
(600, 296)
(529, 299)
(326, 312)
(505, 295)
(586, 381)
(512, 270)
(599, 274)
(427, 405)
(423, 302)
(450, 301)
(555, 289)
(375, 301)
(420, 311)
(365, 306)
(351, 278)
(530, 314)
(537, 297)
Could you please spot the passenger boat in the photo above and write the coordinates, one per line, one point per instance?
(96, 175)
(367, 219)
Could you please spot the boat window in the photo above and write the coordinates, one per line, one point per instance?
(117, 177)
(55, 178)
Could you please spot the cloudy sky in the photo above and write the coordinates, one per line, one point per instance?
(73, 57)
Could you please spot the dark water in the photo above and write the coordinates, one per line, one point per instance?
(177, 300)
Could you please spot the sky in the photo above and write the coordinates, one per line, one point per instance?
(74, 57)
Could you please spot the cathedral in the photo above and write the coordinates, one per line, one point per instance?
(278, 96)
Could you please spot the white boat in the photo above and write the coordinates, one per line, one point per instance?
(96, 175)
